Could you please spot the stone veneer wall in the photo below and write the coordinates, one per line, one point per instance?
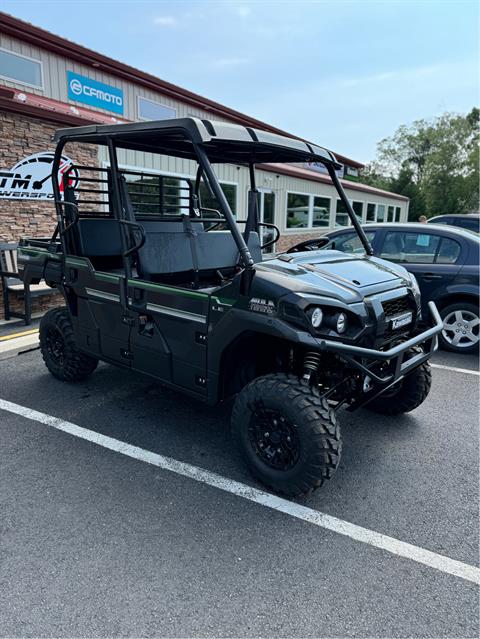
(21, 136)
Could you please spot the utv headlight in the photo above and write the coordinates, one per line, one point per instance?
(316, 317)
(341, 324)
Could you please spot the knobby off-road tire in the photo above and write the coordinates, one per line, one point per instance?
(407, 394)
(58, 348)
(288, 435)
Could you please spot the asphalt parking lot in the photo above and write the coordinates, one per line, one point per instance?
(96, 543)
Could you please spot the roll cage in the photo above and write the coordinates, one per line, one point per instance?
(205, 142)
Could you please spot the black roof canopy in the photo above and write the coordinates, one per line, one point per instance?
(223, 142)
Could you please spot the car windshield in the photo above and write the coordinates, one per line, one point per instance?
(348, 242)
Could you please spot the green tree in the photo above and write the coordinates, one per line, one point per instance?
(434, 163)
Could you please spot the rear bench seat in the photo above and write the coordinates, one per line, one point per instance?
(168, 249)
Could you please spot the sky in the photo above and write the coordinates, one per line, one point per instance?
(344, 74)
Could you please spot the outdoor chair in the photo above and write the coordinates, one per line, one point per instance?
(13, 285)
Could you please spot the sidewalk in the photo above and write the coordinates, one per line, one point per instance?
(17, 338)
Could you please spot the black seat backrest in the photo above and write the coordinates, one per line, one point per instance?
(169, 249)
(100, 240)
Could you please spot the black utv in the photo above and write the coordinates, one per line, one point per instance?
(157, 281)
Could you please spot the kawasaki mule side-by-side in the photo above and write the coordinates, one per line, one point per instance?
(156, 281)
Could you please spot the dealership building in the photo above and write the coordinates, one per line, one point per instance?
(48, 82)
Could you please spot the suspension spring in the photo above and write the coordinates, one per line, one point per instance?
(311, 364)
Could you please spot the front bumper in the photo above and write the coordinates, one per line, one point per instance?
(398, 367)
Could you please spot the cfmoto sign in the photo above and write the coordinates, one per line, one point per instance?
(93, 93)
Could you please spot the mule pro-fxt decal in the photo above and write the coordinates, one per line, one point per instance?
(261, 305)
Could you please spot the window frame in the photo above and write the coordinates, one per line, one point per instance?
(309, 226)
(40, 87)
(384, 221)
(362, 216)
(350, 232)
(364, 209)
(166, 106)
(434, 262)
(443, 239)
(312, 206)
(374, 221)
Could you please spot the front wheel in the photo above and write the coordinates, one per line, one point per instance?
(405, 395)
(461, 328)
(288, 435)
(58, 348)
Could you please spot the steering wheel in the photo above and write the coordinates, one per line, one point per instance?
(309, 245)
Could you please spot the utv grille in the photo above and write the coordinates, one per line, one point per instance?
(395, 307)
(398, 306)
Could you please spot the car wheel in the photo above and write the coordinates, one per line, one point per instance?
(461, 328)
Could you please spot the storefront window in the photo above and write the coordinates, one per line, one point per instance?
(380, 212)
(297, 211)
(390, 217)
(321, 211)
(209, 202)
(341, 216)
(20, 69)
(358, 209)
(371, 212)
(269, 207)
(151, 110)
(398, 211)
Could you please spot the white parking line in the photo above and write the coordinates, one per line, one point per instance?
(467, 371)
(364, 535)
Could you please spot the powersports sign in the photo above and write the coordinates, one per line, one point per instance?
(31, 178)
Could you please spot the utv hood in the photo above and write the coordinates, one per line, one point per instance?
(333, 273)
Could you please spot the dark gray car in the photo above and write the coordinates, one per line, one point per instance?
(471, 222)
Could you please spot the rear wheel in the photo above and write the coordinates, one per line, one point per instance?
(288, 435)
(58, 348)
(461, 328)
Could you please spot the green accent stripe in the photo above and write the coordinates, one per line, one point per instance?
(177, 313)
(102, 295)
(104, 277)
(77, 261)
(36, 252)
(168, 289)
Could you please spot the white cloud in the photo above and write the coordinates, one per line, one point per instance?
(165, 21)
(226, 63)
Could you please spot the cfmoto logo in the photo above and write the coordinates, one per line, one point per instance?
(76, 86)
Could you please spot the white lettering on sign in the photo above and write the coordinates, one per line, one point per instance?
(31, 178)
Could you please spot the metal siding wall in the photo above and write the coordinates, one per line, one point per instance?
(55, 86)
(55, 82)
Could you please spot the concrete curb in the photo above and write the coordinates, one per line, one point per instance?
(16, 345)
